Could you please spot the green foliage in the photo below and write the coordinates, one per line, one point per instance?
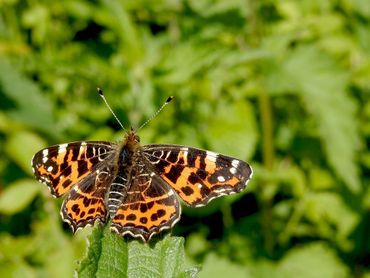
(18, 196)
(215, 266)
(315, 260)
(281, 84)
(109, 255)
(14, 87)
(322, 86)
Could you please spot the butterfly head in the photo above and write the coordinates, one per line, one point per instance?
(132, 139)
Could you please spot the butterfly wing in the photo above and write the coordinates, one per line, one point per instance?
(150, 205)
(85, 203)
(62, 166)
(198, 176)
(81, 170)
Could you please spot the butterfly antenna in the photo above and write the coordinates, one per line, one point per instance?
(100, 91)
(156, 113)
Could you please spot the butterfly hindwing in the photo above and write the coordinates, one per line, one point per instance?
(62, 166)
(150, 205)
(85, 203)
(198, 176)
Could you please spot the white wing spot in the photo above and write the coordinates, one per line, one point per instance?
(62, 148)
(50, 168)
(233, 170)
(82, 147)
(185, 152)
(235, 163)
(220, 178)
(211, 156)
(200, 185)
(45, 159)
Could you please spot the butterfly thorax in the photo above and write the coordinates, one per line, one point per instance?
(132, 140)
(128, 149)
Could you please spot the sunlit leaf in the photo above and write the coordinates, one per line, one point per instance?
(232, 130)
(30, 142)
(17, 269)
(18, 195)
(332, 218)
(12, 247)
(315, 260)
(215, 266)
(32, 107)
(111, 255)
(184, 61)
(321, 179)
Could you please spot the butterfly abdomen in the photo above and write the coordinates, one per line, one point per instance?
(119, 186)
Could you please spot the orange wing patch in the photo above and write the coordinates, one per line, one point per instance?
(82, 209)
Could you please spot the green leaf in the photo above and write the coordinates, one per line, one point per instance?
(110, 255)
(17, 269)
(215, 266)
(113, 259)
(18, 195)
(321, 179)
(362, 7)
(332, 218)
(241, 139)
(15, 247)
(89, 265)
(52, 250)
(367, 199)
(184, 61)
(315, 260)
(32, 108)
(120, 20)
(30, 143)
(210, 8)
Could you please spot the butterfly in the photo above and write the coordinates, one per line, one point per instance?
(135, 186)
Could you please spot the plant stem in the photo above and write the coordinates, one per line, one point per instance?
(268, 160)
(267, 134)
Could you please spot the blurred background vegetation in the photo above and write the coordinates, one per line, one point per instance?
(283, 85)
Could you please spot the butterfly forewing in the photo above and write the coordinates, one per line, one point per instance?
(62, 166)
(198, 176)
